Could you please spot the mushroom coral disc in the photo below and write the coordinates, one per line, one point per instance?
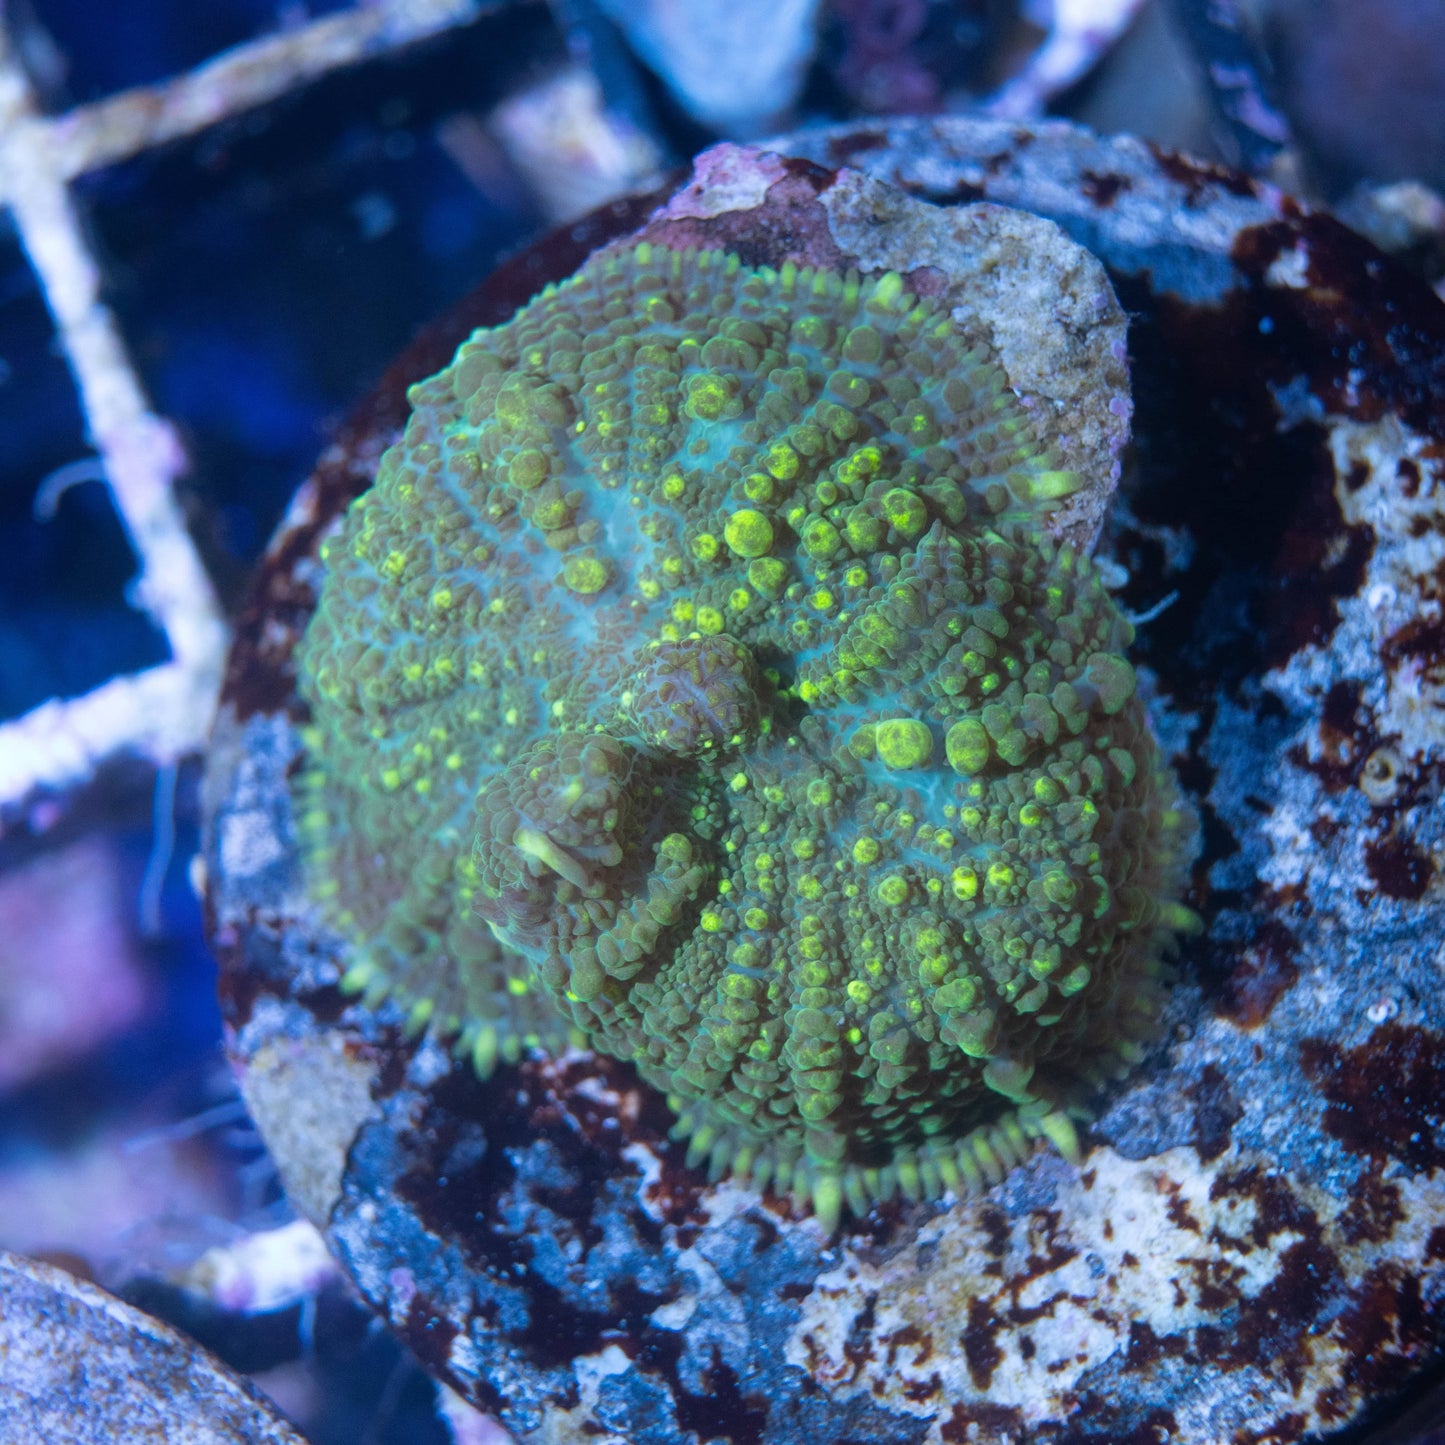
(697, 681)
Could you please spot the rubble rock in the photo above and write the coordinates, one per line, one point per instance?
(78, 1367)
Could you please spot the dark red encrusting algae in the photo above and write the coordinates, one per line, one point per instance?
(1385, 1097)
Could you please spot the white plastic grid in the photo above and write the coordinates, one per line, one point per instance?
(161, 713)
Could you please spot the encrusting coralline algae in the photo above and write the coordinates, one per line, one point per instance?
(697, 682)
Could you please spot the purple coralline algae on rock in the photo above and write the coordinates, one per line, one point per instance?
(1251, 1250)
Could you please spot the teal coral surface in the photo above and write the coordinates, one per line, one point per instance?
(697, 683)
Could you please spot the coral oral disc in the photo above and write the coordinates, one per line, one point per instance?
(697, 680)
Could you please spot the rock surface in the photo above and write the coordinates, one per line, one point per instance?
(78, 1367)
(1252, 1250)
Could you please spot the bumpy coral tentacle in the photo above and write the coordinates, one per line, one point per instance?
(696, 681)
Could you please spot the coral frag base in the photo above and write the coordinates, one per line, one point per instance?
(1254, 1247)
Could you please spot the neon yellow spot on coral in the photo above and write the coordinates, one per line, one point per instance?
(1000, 875)
(905, 510)
(585, 576)
(1047, 791)
(767, 575)
(821, 538)
(888, 290)
(1051, 486)
(748, 533)
(965, 883)
(903, 743)
(782, 461)
(707, 396)
(893, 890)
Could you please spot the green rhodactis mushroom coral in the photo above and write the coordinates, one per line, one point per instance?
(696, 682)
